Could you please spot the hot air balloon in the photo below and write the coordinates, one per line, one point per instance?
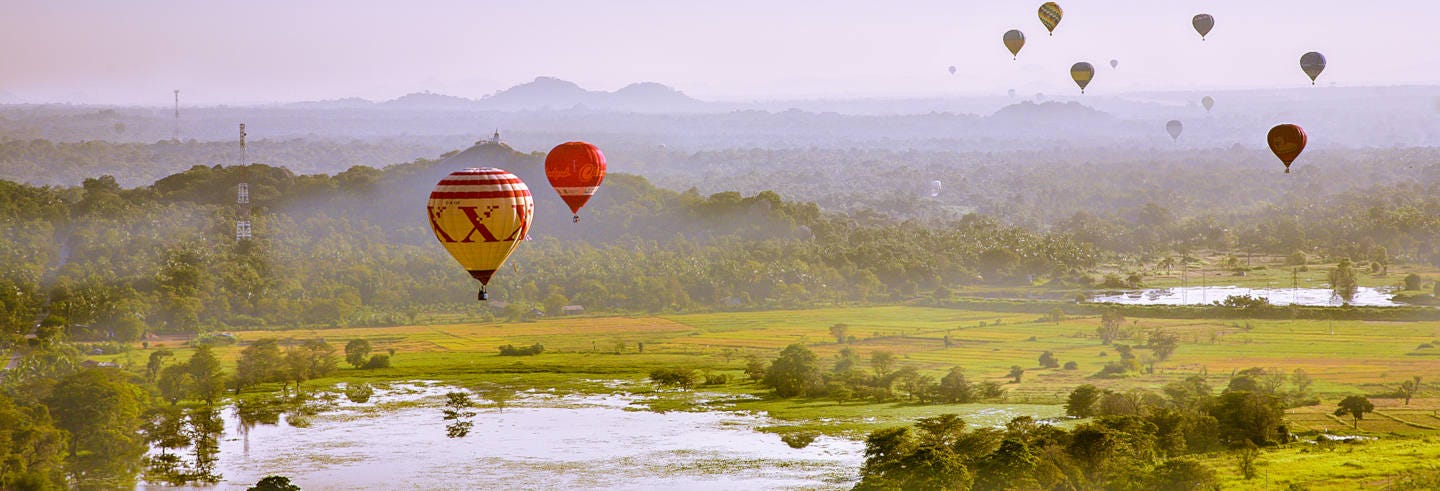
(1011, 93)
(575, 170)
(1050, 14)
(1208, 102)
(480, 215)
(1313, 63)
(952, 69)
(1014, 40)
(934, 188)
(1114, 64)
(1287, 141)
(1174, 127)
(1203, 24)
(1082, 73)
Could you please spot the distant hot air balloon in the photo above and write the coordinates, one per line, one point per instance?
(1203, 24)
(1174, 127)
(1050, 14)
(1313, 63)
(934, 188)
(575, 170)
(952, 69)
(1287, 141)
(1208, 102)
(1114, 64)
(480, 215)
(1082, 72)
(1011, 92)
(1014, 40)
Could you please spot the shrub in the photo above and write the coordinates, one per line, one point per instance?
(377, 361)
(1070, 365)
(532, 350)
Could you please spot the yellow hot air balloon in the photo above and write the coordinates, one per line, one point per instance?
(480, 215)
(1014, 40)
(1082, 72)
(1050, 14)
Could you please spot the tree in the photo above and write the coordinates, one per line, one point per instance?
(899, 458)
(357, 351)
(755, 368)
(379, 360)
(1016, 372)
(1048, 360)
(682, 378)
(205, 374)
(795, 372)
(882, 362)
(1081, 403)
(157, 361)
(1408, 388)
(1356, 407)
(32, 450)
(1344, 280)
(1163, 344)
(1248, 415)
(274, 483)
(259, 363)
(841, 332)
(1412, 281)
(175, 383)
(1182, 475)
(1111, 326)
(314, 358)
(101, 411)
(954, 388)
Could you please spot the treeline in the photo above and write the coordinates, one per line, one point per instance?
(106, 262)
(44, 162)
(1343, 202)
(1136, 440)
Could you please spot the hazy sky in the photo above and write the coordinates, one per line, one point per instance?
(137, 51)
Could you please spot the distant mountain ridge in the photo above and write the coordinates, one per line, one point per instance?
(539, 94)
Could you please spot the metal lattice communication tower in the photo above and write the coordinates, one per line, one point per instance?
(176, 135)
(242, 197)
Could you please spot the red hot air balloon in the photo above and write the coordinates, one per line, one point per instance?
(1287, 141)
(575, 170)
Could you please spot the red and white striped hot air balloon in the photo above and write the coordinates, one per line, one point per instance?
(480, 215)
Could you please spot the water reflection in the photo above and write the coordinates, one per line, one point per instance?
(397, 440)
(1322, 297)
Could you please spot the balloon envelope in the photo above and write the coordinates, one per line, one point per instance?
(575, 170)
(952, 69)
(1014, 40)
(480, 215)
(1287, 141)
(1174, 127)
(1203, 24)
(1313, 63)
(1114, 63)
(1082, 72)
(1050, 14)
(1208, 102)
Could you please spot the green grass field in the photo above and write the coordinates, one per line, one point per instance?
(583, 353)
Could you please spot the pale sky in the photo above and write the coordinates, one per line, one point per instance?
(137, 51)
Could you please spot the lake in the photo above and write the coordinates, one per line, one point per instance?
(1364, 297)
(397, 440)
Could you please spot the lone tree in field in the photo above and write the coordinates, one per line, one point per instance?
(1047, 360)
(1344, 280)
(1111, 326)
(357, 352)
(1356, 407)
(840, 331)
(1163, 344)
(1408, 388)
(795, 372)
(1016, 373)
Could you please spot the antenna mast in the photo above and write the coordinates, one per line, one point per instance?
(242, 227)
(176, 135)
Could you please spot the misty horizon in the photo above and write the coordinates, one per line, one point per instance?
(268, 52)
